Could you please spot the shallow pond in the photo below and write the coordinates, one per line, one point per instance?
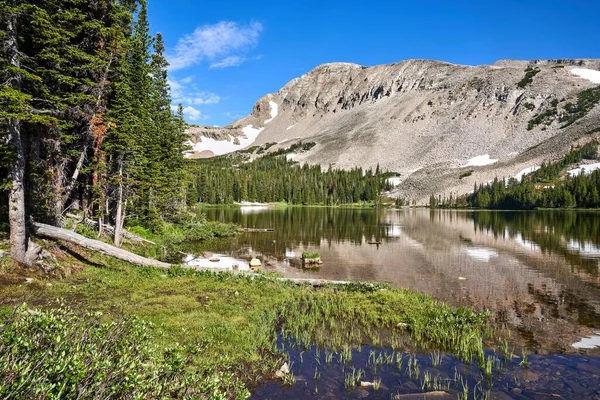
(537, 272)
(399, 375)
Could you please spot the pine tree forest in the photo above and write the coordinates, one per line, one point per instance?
(86, 118)
(273, 178)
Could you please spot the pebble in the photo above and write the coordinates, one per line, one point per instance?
(29, 280)
(284, 370)
(2, 253)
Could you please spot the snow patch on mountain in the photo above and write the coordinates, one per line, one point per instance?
(585, 169)
(480, 161)
(274, 111)
(526, 171)
(220, 147)
(589, 74)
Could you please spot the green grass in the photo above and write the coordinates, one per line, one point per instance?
(310, 255)
(234, 320)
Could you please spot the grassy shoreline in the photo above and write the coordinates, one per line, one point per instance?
(235, 319)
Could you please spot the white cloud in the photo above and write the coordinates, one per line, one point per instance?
(214, 41)
(182, 92)
(206, 98)
(192, 113)
(176, 89)
(232, 61)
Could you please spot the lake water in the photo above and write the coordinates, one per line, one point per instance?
(537, 272)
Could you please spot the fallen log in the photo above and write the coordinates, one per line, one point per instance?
(257, 230)
(52, 232)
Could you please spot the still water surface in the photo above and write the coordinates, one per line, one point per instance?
(537, 272)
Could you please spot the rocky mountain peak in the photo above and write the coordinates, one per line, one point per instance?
(428, 120)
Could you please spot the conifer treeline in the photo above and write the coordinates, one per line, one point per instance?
(548, 187)
(85, 116)
(272, 178)
(582, 191)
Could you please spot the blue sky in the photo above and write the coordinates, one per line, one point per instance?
(225, 55)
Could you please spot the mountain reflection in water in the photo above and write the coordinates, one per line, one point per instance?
(538, 272)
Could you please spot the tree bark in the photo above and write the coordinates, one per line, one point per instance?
(119, 216)
(21, 250)
(54, 233)
(89, 135)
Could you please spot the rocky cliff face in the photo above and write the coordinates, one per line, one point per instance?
(429, 121)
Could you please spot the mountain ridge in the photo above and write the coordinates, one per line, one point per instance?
(424, 119)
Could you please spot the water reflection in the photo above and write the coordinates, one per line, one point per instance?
(537, 271)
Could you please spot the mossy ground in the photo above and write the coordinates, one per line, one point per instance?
(235, 319)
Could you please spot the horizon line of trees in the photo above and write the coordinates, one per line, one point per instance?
(273, 178)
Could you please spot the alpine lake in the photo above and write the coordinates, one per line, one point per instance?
(536, 272)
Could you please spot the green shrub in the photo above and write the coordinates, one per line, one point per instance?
(56, 354)
(586, 100)
(465, 174)
(545, 117)
(591, 132)
(528, 78)
(529, 106)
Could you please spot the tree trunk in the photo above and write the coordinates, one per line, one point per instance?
(89, 137)
(119, 215)
(54, 233)
(21, 250)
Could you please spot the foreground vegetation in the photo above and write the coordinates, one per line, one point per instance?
(204, 333)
